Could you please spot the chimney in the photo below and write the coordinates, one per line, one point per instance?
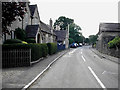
(51, 23)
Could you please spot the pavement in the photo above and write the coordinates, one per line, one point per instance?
(108, 57)
(21, 76)
(80, 68)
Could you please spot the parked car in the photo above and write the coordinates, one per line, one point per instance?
(73, 45)
(80, 44)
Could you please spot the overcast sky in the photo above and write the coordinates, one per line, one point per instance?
(88, 14)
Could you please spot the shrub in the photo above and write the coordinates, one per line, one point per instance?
(12, 41)
(30, 40)
(15, 46)
(52, 48)
(115, 42)
(20, 34)
(23, 42)
(37, 50)
(44, 50)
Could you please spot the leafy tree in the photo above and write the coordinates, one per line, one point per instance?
(10, 10)
(74, 30)
(87, 40)
(71, 40)
(74, 33)
(93, 38)
(63, 22)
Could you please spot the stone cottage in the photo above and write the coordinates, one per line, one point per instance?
(48, 35)
(107, 32)
(33, 29)
(62, 36)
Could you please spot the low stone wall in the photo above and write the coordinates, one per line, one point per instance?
(111, 52)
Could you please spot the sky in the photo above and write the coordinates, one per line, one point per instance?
(88, 14)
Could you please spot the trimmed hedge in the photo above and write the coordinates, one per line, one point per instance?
(12, 41)
(44, 50)
(52, 48)
(18, 58)
(30, 40)
(37, 50)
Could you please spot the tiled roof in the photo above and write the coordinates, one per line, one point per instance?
(61, 35)
(45, 28)
(109, 27)
(31, 30)
(32, 9)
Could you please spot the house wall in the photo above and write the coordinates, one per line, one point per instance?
(102, 43)
(36, 18)
(17, 23)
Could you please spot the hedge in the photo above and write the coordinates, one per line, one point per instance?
(12, 41)
(52, 48)
(44, 50)
(37, 50)
(30, 40)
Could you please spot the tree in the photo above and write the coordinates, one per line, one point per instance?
(63, 22)
(74, 30)
(10, 10)
(93, 38)
(74, 33)
(87, 40)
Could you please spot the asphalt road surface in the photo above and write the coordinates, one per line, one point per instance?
(80, 68)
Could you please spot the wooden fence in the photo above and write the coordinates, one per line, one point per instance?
(16, 57)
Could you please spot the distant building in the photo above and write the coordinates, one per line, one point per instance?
(107, 32)
(62, 36)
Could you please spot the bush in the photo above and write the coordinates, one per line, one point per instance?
(15, 46)
(52, 48)
(12, 41)
(30, 40)
(115, 42)
(44, 50)
(37, 50)
(20, 34)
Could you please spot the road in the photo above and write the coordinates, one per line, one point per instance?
(80, 68)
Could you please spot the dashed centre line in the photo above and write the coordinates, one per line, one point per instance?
(83, 59)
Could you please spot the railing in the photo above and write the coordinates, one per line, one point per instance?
(16, 57)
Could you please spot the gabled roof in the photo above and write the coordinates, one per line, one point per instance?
(32, 9)
(45, 28)
(31, 30)
(109, 27)
(61, 35)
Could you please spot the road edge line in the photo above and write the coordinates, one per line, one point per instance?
(30, 83)
(101, 84)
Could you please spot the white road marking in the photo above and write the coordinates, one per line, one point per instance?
(101, 84)
(81, 52)
(108, 72)
(29, 84)
(83, 59)
(72, 51)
